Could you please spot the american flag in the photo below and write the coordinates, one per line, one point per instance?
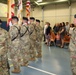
(11, 5)
(19, 12)
(28, 9)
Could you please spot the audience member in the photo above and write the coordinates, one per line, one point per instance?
(45, 27)
(48, 30)
(58, 39)
(71, 29)
(67, 27)
(62, 34)
(56, 28)
(58, 35)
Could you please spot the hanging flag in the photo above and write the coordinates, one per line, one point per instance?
(19, 12)
(28, 7)
(11, 5)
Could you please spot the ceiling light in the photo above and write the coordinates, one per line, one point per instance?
(39, 0)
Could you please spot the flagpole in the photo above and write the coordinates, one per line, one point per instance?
(8, 13)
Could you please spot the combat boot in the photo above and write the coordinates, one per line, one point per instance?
(39, 56)
(32, 59)
(16, 71)
(25, 64)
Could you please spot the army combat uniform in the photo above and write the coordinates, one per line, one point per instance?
(38, 43)
(15, 47)
(72, 48)
(24, 43)
(32, 41)
(4, 45)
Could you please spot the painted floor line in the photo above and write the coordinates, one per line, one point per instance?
(36, 69)
(41, 70)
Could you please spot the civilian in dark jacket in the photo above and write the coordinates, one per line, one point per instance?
(62, 34)
(56, 28)
(48, 31)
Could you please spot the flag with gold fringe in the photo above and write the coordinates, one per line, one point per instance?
(11, 6)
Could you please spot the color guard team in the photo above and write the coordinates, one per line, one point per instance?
(23, 44)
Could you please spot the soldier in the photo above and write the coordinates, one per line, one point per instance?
(72, 48)
(15, 47)
(4, 46)
(39, 32)
(32, 38)
(24, 41)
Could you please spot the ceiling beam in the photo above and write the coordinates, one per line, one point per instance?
(51, 2)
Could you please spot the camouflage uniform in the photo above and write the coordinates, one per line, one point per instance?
(24, 42)
(72, 48)
(15, 46)
(39, 32)
(4, 45)
(32, 41)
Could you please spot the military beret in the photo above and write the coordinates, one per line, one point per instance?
(0, 21)
(15, 17)
(25, 18)
(37, 20)
(75, 16)
(32, 18)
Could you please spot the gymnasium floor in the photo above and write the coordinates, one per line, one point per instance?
(55, 61)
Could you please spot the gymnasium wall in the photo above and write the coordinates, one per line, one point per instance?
(3, 12)
(52, 13)
(56, 13)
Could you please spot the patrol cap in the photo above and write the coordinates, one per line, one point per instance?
(0, 21)
(32, 18)
(15, 17)
(37, 20)
(25, 18)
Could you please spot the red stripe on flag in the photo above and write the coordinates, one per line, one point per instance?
(9, 20)
(27, 10)
(12, 14)
(12, 5)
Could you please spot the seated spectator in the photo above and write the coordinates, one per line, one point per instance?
(71, 29)
(58, 39)
(52, 38)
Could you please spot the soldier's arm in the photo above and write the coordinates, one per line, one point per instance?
(73, 38)
(7, 41)
(31, 28)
